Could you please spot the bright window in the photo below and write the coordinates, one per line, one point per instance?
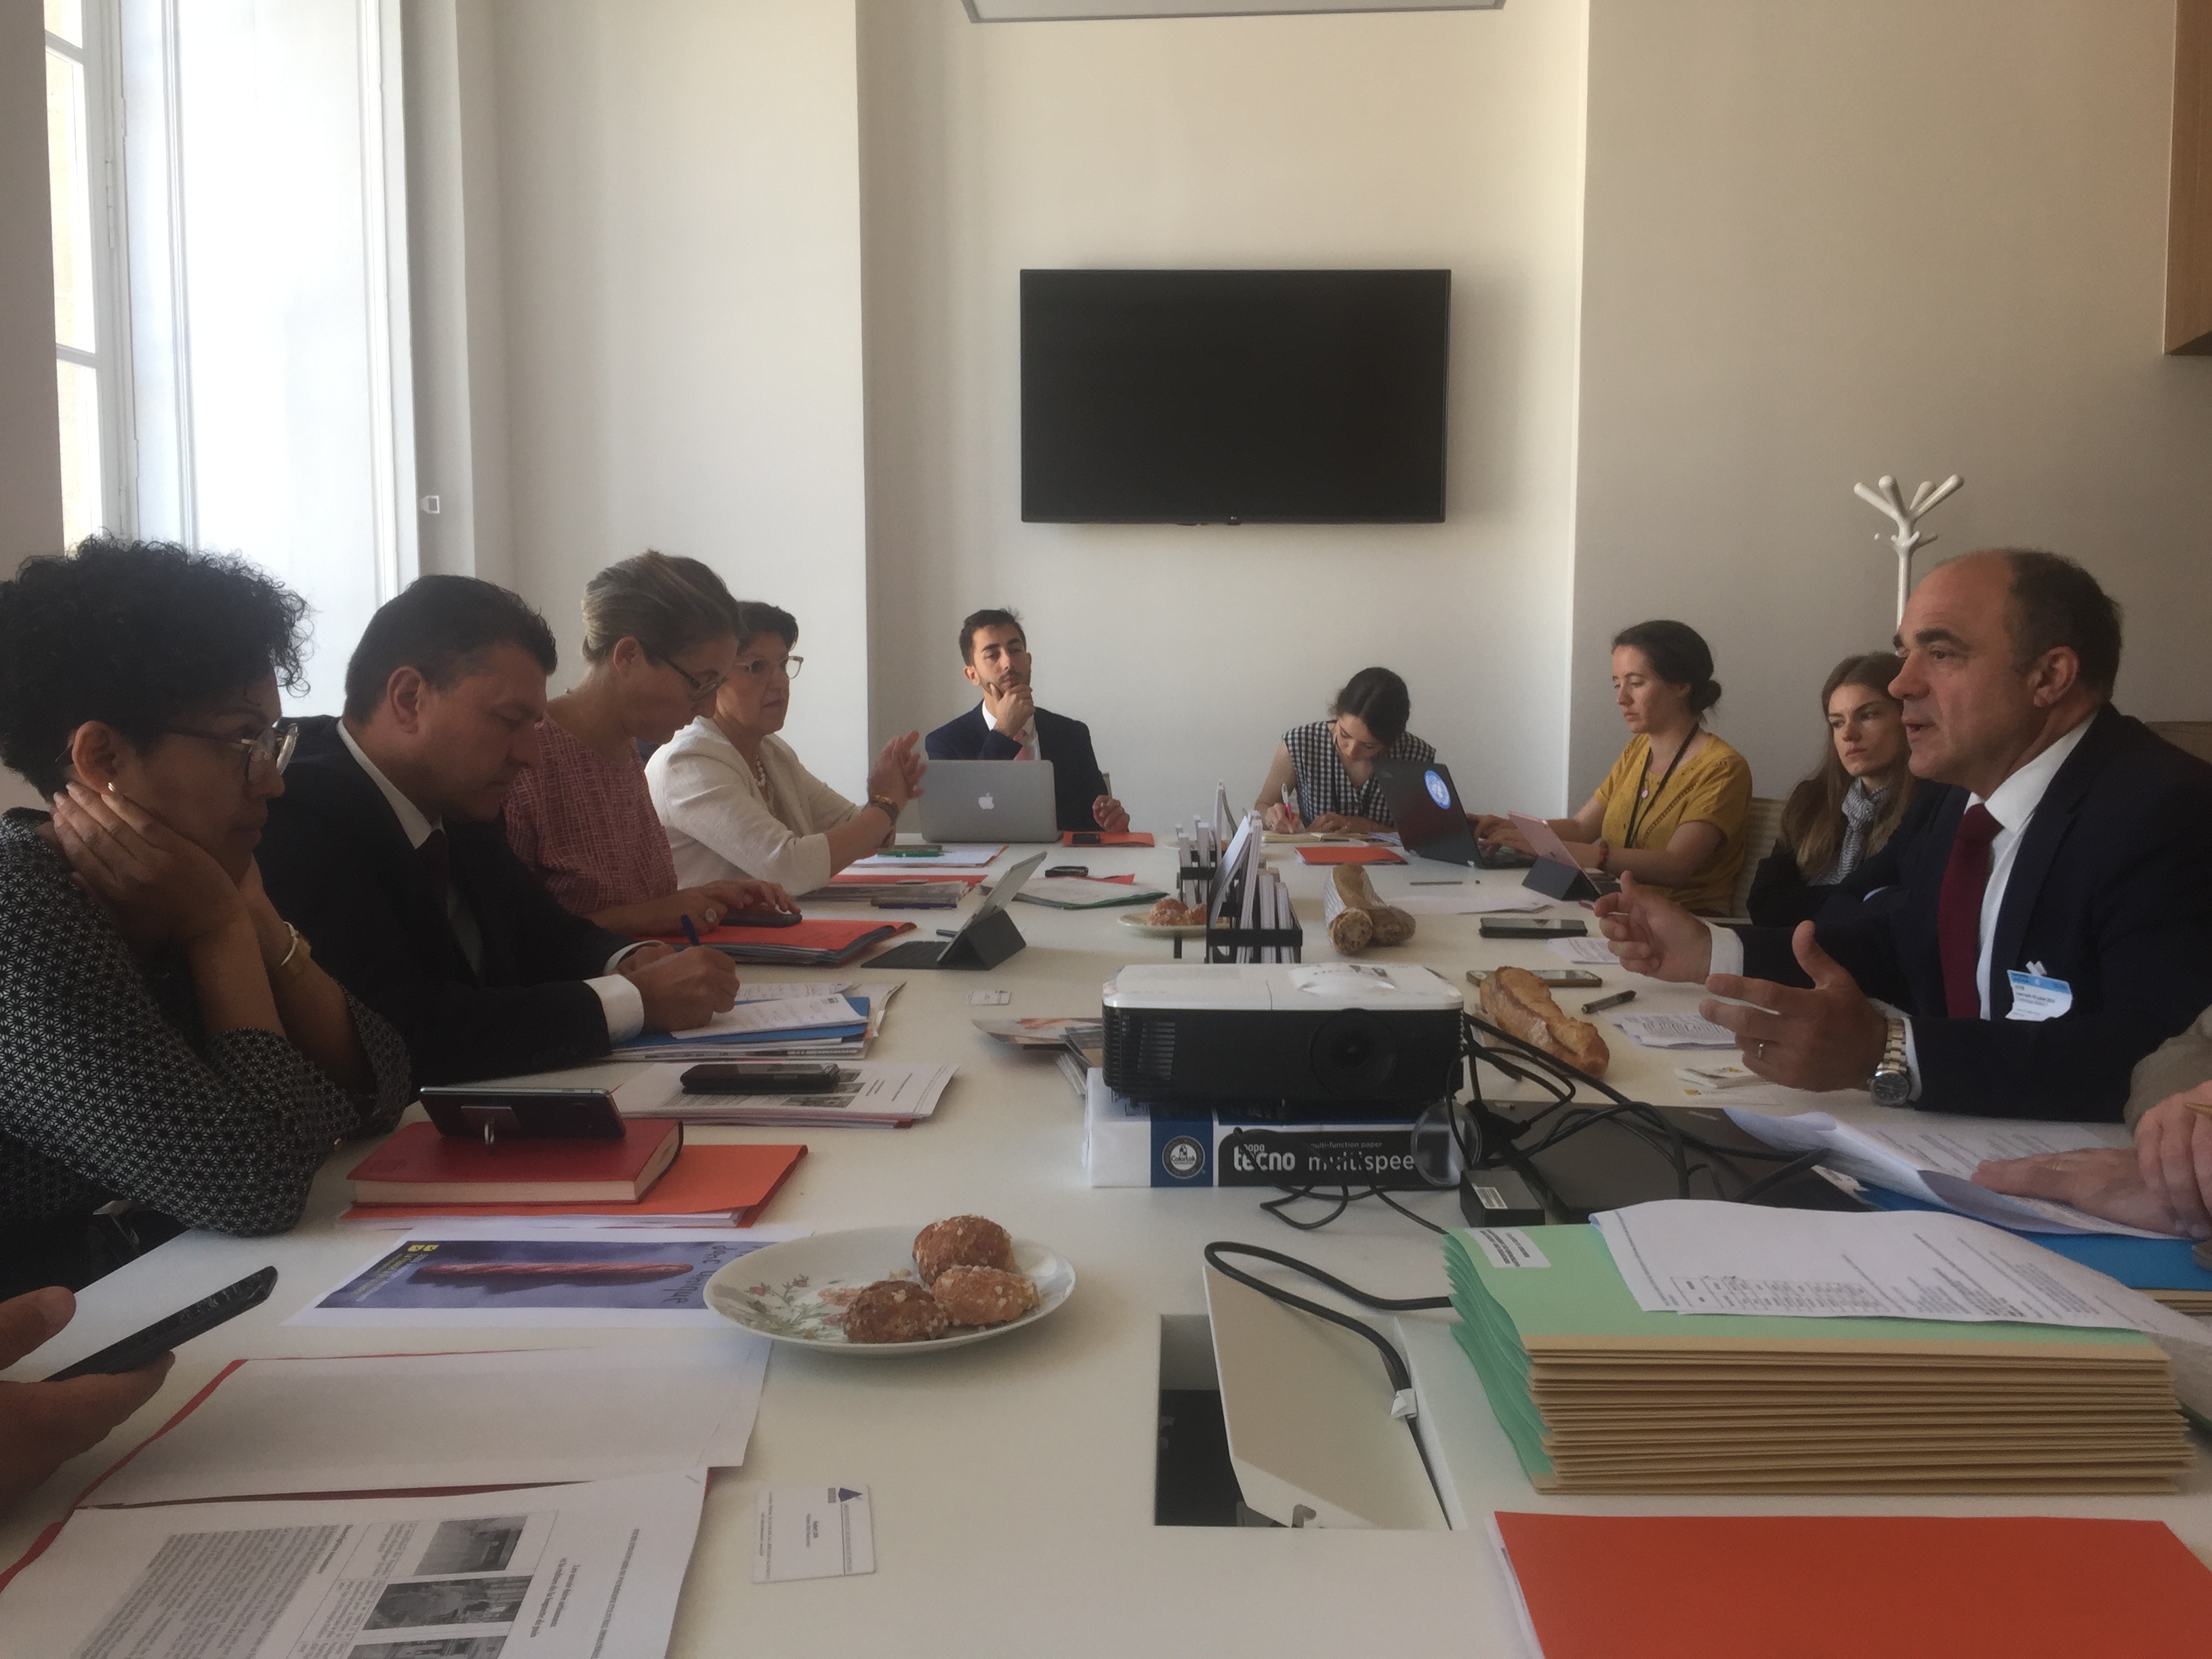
(76, 188)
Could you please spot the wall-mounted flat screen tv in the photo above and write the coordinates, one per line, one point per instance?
(1234, 397)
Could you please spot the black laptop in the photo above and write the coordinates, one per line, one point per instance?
(1425, 808)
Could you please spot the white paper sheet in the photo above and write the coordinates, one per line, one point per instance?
(968, 857)
(868, 1091)
(1468, 901)
(402, 1422)
(467, 1279)
(561, 1572)
(1703, 1256)
(1934, 1159)
(1675, 1031)
(793, 1014)
(1589, 949)
(813, 1532)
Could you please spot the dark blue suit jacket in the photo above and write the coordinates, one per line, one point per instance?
(2111, 891)
(339, 868)
(1076, 779)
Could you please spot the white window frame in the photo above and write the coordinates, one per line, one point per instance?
(100, 60)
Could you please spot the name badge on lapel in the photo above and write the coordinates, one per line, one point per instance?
(2035, 995)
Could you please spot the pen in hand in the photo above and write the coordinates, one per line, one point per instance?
(690, 930)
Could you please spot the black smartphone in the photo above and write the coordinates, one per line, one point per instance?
(797, 1077)
(1069, 870)
(1557, 978)
(142, 1347)
(1086, 838)
(524, 1114)
(1532, 927)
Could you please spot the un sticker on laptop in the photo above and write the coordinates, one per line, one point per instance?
(1439, 791)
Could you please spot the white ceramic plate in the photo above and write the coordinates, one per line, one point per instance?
(1138, 926)
(777, 1291)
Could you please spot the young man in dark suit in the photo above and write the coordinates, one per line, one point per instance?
(1007, 725)
(385, 849)
(2054, 923)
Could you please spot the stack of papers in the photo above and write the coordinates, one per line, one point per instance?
(1675, 1031)
(1598, 1394)
(1933, 1158)
(867, 1093)
(1082, 893)
(895, 859)
(791, 1020)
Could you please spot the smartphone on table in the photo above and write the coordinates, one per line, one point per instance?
(1557, 979)
(1533, 927)
(143, 1347)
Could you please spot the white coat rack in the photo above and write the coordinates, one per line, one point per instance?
(1906, 515)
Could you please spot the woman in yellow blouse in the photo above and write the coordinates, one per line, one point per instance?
(1672, 810)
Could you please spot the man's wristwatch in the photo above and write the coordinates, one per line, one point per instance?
(1891, 1083)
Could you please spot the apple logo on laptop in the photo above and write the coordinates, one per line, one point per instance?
(985, 802)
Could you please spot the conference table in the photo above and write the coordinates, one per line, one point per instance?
(1013, 1480)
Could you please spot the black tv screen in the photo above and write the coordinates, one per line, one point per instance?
(1212, 397)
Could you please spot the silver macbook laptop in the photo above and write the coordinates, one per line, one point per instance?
(988, 800)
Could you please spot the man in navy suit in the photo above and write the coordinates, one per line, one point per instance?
(2054, 922)
(1007, 725)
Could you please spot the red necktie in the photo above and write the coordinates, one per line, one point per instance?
(1959, 913)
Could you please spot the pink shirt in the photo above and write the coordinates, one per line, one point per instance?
(586, 826)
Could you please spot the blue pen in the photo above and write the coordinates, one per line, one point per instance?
(690, 931)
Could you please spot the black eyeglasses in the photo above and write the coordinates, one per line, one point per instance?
(700, 685)
(271, 748)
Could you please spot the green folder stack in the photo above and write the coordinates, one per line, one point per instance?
(1599, 1396)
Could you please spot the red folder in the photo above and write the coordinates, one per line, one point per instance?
(1348, 855)
(880, 877)
(739, 1179)
(1856, 1587)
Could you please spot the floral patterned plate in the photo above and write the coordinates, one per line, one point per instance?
(778, 1291)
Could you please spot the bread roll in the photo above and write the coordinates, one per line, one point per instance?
(1517, 1001)
(1348, 894)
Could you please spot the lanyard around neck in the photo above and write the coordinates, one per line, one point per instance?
(1643, 802)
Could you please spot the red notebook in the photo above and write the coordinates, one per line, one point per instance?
(703, 1181)
(1348, 855)
(1107, 838)
(418, 1165)
(881, 877)
(1856, 1587)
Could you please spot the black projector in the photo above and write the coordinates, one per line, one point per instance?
(1322, 1034)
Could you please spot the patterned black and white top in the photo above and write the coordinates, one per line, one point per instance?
(109, 1088)
(1325, 787)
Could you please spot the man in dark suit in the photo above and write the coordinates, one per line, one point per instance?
(1007, 725)
(2054, 922)
(385, 850)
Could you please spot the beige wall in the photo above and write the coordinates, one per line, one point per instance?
(663, 319)
(1838, 237)
(30, 446)
(1438, 140)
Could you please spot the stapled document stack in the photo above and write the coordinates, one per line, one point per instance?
(1598, 1395)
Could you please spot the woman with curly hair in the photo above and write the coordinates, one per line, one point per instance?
(166, 1037)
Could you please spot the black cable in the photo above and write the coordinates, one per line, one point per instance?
(1796, 1167)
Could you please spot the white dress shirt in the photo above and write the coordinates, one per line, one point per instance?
(1027, 737)
(620, 1002)
(2013, 804)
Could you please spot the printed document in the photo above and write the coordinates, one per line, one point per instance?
(463, 1279)
(550, 1572)
(795, 1014)
(1675, 1031)
(1933, 1157)
(1703, 1256)
(1592, 950)
(428, 1421)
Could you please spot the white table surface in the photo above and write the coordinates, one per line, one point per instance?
(1013, 1480)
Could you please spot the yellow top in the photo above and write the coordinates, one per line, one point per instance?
(1713, 787)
